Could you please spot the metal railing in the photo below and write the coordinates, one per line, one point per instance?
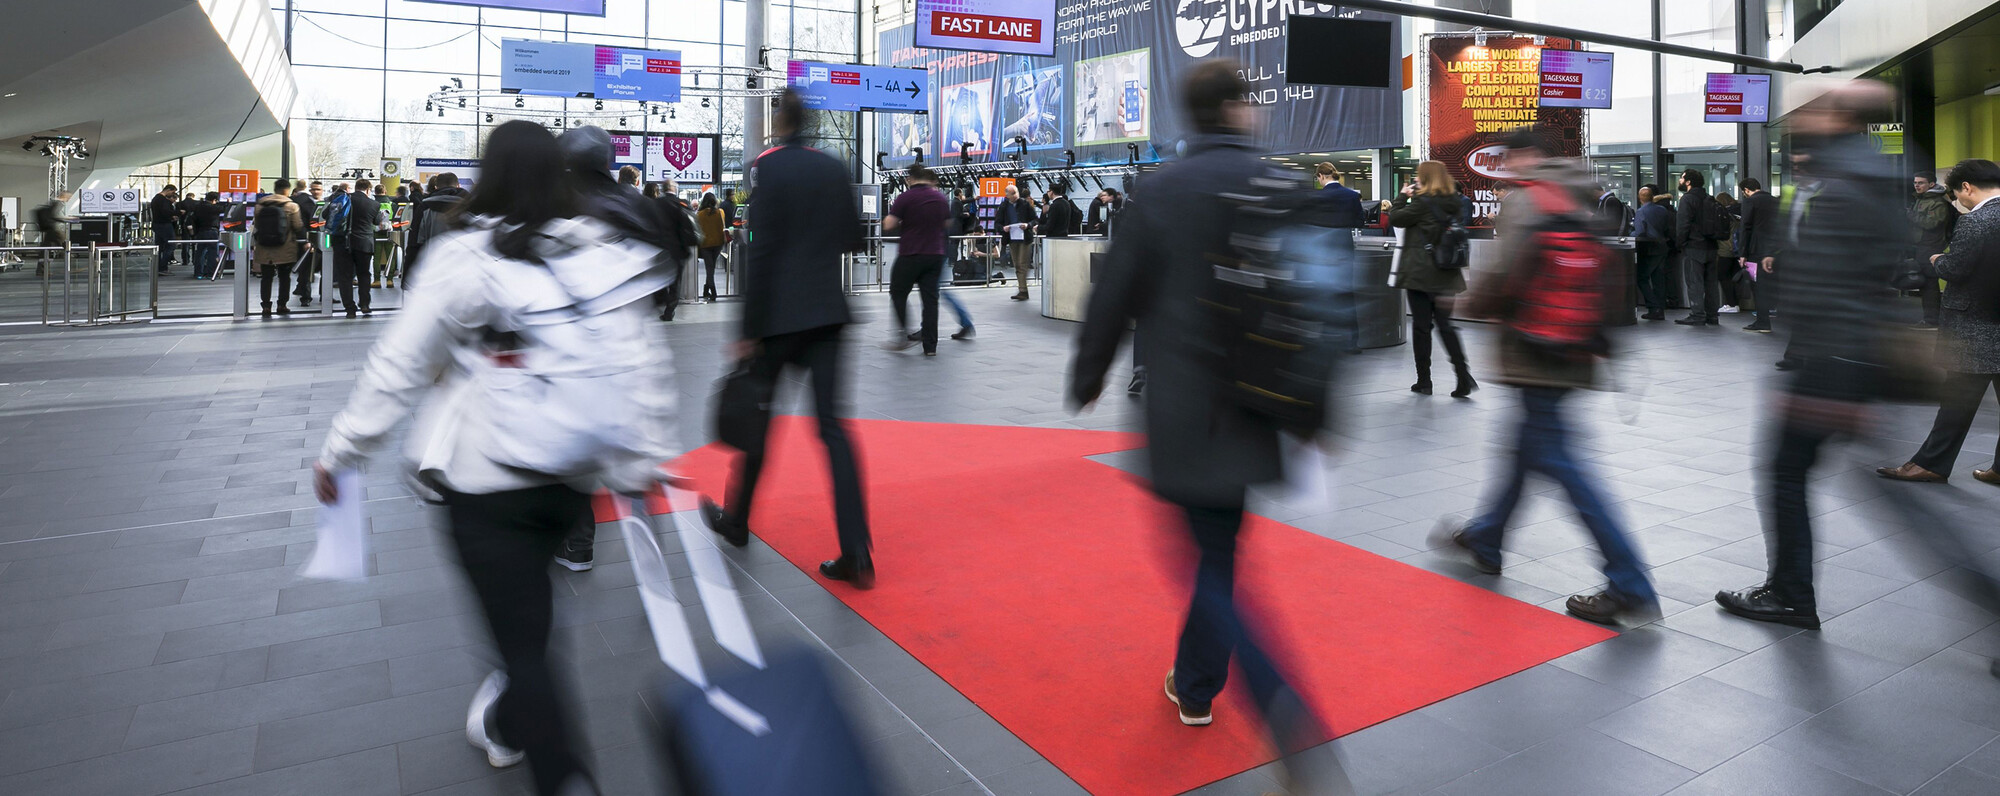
(106, 285)
(868, 270)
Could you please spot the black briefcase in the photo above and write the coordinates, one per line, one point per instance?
(743, 409)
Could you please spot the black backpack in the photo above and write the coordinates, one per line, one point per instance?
(268, 226)
(1283, 293)
(1453, 248)
(1712, 220)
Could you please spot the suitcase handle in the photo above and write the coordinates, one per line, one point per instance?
(668, 620)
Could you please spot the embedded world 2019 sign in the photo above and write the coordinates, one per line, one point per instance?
(1110, 86)
(1480, 92)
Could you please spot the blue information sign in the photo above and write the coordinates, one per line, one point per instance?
(848, 87)
(561, 69)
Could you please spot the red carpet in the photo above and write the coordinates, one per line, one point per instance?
(1049, 590)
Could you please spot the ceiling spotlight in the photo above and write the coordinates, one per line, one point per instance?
(1540, 40)
(28, 145)
(600, 105)
(704, 102)
(671, 114)
(621, 121)
(1479, 39)
(427, 106)
(489, 118)
(458, 83)
(461, 102)
(518, 103)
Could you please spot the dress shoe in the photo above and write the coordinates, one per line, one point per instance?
(1788, 364)
(1761, 604)
(1988, 476)
(1910, 471)
(1692, 320)
(719, 521)
(1606, 608)
(1422, 387)
(1191, 714)
(1020, 297)
(1759, 326)
(1451, 531)
(963, 334)
(861, 574)
(1654, 316)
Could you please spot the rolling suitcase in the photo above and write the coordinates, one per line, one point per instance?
(757, 724)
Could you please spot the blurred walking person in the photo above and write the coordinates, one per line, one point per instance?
(794, 315)
(1969, 340)
(1428, 208)
(1205, 450)
(1837, 265)
(919, 214)
(1555, 289)
(522, 290)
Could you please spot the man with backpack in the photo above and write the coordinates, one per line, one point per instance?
(427, 220)
(1205, 445)
(1701, 224)
(275, 230)
(1556, 287)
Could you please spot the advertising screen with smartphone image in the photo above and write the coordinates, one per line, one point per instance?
(1114, 98)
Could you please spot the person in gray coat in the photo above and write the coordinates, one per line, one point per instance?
(1969, 336)
(1204, 451)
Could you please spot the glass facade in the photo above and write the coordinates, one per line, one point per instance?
(366, 67)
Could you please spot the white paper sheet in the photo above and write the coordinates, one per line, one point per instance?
(1017, 233)
(342, 551)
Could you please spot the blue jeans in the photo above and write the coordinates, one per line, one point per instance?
(957, 307)
(1543, 446)
(206, 260)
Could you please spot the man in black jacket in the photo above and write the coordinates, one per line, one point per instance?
(356, 250)
(307, 198)
(1610, 214)
(204, 222)
(1698, 260)
(803, 218)
(1760, 244)
(166, 217)
(1059, 219)
(1204, 451)
(427, 220)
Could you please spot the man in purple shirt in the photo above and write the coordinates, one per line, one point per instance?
(920, 213)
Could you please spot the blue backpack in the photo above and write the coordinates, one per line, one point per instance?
(336, 215)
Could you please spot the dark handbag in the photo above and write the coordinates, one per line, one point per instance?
(743, 408)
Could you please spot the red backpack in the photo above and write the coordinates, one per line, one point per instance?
(1566, 289)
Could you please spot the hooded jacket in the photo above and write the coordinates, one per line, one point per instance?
(1932, 218)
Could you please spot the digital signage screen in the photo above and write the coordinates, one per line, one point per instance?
(852, 87)
(1737, 98)
(1576, 79)
(1328, 51)
(561, 69)
(589, 8)
(1012, 27)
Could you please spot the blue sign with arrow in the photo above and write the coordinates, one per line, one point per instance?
(852, 87)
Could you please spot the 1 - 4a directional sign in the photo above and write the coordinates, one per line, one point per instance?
(851, 87)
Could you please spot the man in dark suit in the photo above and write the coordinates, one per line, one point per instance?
(166, 218)
(803, 218)
(1346, 201)
(1204, 451)
(1759, 246)
(353, 255)
(1698, 259)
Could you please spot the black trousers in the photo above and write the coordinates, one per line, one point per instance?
(1702, 276)
(1766, 290)
(350, 272)
(1959, 404)
(818, 352)
(160, 237)
(505, 542)
(920, 271)
(1425, 314)
(1653, 276)
(307, 268)
(1790, 540)
(709, 254)
(279, 272)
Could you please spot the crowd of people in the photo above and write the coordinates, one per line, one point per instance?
(541, 283)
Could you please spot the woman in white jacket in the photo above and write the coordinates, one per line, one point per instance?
(540, 326)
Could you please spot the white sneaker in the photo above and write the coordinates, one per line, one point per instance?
(479, 717)
(1727, 308)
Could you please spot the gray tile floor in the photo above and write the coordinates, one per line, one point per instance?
(155, 637)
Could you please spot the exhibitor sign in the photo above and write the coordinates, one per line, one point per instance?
(1476, 96)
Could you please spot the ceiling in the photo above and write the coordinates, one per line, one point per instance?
(144, 81)
(1964, 64)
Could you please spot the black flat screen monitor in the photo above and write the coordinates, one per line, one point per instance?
(1324, 51)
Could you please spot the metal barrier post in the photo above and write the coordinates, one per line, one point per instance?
(68, 257)
(326, 274)
(241, 282)
(91, 287)
(43, 272)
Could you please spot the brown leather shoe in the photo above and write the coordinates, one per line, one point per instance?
(1989, 476)
(1910, 472)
